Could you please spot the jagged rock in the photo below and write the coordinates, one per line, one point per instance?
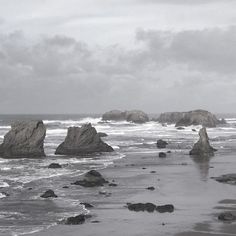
(198, 117)
(115, 115)
(91, 179)
(162, 154)
(161, 143)
(101, 134)
(149, 207)
(165, 208)
(227, 217)
(54, 166)
(24, 140)
(84, 140)
(202, 147)
(49, 193)
(134, 116)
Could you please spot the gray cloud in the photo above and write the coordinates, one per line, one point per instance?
(167, 71)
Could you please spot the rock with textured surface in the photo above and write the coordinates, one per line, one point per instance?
(115, 115)
(137, 116)
(202, 147)
(161, 143)
(84, 140)
(24, 140)
(171, 117)
(49, 194)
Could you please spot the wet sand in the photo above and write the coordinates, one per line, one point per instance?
(178, 180)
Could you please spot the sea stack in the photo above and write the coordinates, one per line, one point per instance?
(82, 140)
(24, 140)
(135, 116)
(202, 147)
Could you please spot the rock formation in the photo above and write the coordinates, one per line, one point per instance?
(49, 193)
(24, 140)
(161, 143)
(84, 140)
(91, 179)
(196, 117)
(202, 147)
(134, 116)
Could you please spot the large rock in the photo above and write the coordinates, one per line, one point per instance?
(161, 143)
(196, 117)
(91, 179)
(84, 140)
(24, 140)
(202, 147)
(228, 179)
(134, 116)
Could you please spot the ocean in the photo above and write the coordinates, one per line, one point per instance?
(22, 181)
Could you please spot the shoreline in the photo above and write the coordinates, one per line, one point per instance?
(133, 174)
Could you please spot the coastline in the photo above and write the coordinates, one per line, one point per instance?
(133, 174)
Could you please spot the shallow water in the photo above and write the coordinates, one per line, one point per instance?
(23, 211)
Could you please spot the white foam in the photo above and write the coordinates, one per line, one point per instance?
(4, 185)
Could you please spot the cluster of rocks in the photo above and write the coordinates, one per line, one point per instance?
(228, 179)
(150, 207)
(26, 140)
(134, 116)
(196, 117)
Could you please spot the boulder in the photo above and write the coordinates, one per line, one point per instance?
(24, 140)
(149, 207)
(162, 154)
(91, 179)
(84, 140)
(76, 220)
(198, 117)
(165, 208)
(227, 217)
(202, 147)
(49, 193)
(54, 166)
(228, 179)
(115, 115)
(135, 116)
(161, 143)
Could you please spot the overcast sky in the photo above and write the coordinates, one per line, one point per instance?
(77, 56)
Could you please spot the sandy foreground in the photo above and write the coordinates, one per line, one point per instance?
(178, 180)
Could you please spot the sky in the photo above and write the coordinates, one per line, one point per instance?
(76, 56)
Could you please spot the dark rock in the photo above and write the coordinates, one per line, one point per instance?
(91, 179)
(161, 143)
(170, 117)
(153, 171)
(95, 221)
(24, 140)
(149, 207)
(228, 179)
(165, 208)
(134, 116)
(65, 187)
(202, 147)
(169, 152)
(6, 194)
(150, 188)
(49, 193)
(198, 117)
(162, 154)
(86, 205)
(194, 130)
(144, 168)
(77, 220)
(54, 166)
(227, 217)
(84, 140)
(101, 134)
(180, 128)
(113, 185)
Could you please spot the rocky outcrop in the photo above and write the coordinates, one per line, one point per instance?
(91, 179)
(84, 140)
(161, 143)
(228, 179)
(76, 220)
(24, 140)
(54, 166)
(162, 155)
(196, 117)
(227, 217)
(49, 194)
(202, 147)
(134, 116)
(150, 207)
